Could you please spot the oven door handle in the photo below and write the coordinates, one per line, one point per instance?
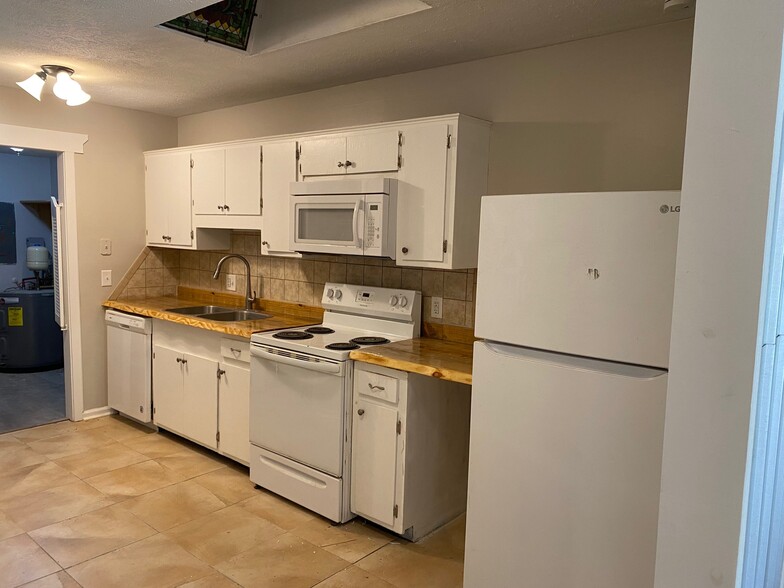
(317, 365)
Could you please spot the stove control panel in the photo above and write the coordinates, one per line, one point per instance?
(372, 301)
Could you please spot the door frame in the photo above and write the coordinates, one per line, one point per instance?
(66, 145)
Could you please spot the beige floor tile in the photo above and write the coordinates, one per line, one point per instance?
(216, 580)
(155, 445)
(45, 431)
(190, 464)
(285, 561)
(8, 440)
(13, 457)
(53, 505)
(353, 577)
(277, 510)
(229, 484)
(156, 562)
(134, 480)
(122, 429)
(434, 562)
(100, 460)
(8, 528)
(174, 505)
(351, 541)
(90, 535)
(58, 580)
(34, 478)
(70, 443)
(223, 534)
(21, 560)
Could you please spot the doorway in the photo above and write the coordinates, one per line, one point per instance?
(32, 379)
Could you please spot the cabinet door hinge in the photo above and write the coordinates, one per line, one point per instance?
(399, 139)
(449, 141)
(399, 161)
(261, 154)
(298, 151)
(154, 410)
(191, 163)
(191, 234)
(444, 245)
(394, 511)
(153, 355)
(399, 427)
(217, 436)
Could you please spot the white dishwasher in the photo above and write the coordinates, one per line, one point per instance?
(129, 364)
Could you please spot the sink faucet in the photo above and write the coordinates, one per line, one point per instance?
(249, 298)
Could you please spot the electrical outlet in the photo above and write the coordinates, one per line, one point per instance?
(106, 247)
(231, 282)
(436, 307)
(106, 278)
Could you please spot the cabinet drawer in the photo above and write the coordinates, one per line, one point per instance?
(236, 350)
(376, 385)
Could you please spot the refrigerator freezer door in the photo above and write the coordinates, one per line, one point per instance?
(564, 471)
(586, 274)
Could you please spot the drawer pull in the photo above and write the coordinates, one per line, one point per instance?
(236, 352)
(361, 411)
(373, 387)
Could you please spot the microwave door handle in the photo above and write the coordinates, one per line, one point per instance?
(354, 221)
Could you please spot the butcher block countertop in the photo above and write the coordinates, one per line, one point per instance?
(448, 360)
(157, 308)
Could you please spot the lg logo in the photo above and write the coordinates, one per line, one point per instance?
(664, 208)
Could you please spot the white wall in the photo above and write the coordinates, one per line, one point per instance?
(110, 200)
(607, 113)
(25, 178)
(726, 184)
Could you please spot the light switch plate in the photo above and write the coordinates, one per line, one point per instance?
(437, 307)
(231, 282)
(106, 278)
(106, 246)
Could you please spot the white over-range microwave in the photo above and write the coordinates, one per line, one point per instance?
(354, 216)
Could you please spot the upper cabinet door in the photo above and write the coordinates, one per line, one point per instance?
(421, 200)
(323, 157)
(372, 152)
(168, 198)
(208, 178)
(279, 169)
(243, 180)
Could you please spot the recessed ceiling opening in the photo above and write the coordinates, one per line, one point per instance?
(227, 23)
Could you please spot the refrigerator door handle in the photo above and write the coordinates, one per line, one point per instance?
(574, 362)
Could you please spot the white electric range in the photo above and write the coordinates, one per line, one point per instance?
(301, 385)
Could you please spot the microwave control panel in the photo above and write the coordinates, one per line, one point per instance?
(374, 221)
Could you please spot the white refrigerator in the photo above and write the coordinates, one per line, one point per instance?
(573, 312)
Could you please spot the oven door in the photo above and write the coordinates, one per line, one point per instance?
(328, 224)
(298, 406)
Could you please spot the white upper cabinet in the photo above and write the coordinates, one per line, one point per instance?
(168, 199)
(354, 153)
(208, 181)
(279, 169)
(226, 182)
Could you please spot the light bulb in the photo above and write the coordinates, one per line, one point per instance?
(34, 85)
(65, 86)
(77, 97)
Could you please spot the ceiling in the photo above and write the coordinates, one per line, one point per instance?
(123, 59)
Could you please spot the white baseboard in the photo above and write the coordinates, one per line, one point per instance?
(94, 413)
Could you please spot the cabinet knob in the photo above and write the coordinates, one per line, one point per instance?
(341, 164)
(220, 207)
(361, 411)
(265, 243)
(404, 250)
(349, 163)
(226, 208)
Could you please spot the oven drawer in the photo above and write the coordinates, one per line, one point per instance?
(311, 488)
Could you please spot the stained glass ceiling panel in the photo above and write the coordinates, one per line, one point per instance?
(227, 23)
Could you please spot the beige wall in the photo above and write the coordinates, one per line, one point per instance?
(606, 113)
(110, 200)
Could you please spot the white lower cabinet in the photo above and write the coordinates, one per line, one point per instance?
(409, 449)
(201, 387)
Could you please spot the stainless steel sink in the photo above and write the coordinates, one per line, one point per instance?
(200, 309)
(235, 315)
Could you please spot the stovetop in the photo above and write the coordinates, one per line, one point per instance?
(355, 317)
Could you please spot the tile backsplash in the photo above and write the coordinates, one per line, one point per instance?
(300, 280)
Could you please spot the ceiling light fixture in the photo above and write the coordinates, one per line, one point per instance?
(65, 88)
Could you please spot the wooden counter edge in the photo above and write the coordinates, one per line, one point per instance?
(409, 366)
